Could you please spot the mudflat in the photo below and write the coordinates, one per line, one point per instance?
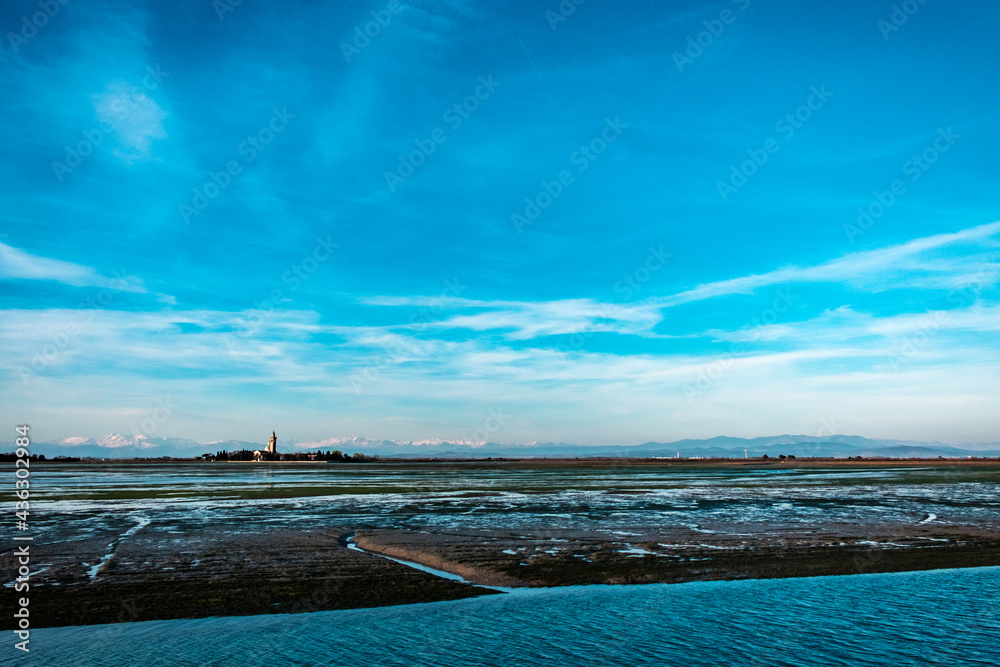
(657, 555)
(127, 542)
(213, 573)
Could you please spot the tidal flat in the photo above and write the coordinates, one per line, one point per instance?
(118, 542)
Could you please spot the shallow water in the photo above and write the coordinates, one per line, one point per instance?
(77, 501)
(943, 617)
(416, 566)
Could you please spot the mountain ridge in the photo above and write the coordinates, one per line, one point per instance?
(116, 445)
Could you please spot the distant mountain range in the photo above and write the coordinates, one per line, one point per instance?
(127, 446)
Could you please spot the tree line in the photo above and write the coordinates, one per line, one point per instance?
(334, 455)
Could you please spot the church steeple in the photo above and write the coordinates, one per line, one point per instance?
(272, 444)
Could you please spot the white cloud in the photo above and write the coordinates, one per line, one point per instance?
(910, 264)
(846, 324)
(135, 118)
(19, 264)
(428, 374)
(439, 388)
(16, 263)
(526, 320)
(878, 270)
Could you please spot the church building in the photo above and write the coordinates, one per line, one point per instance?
(270, 453)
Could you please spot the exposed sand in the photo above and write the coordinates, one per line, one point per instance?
(219, 574)
(672, 555)
(213, 573)
(181, 565)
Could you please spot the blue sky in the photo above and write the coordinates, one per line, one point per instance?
(642, 222)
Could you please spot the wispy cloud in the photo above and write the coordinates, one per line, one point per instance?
(260, 330)
(878, 270)
(526, 320)
(972, 260)
(17, 263)
(20, 264)
(846, 324)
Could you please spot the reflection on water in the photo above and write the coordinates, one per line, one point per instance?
(944, 617)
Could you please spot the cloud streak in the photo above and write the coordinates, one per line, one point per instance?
(19, 264)
(880, 269)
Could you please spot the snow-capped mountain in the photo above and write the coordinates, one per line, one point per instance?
(360, 444)
(117, 445)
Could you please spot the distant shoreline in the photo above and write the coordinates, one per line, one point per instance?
(798, 462)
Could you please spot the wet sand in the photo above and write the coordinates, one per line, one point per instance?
(236, 574)
(219, 574)
(562, 558)
(179, 563)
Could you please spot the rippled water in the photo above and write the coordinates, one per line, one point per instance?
(943, 617)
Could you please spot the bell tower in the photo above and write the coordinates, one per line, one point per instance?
(272, 444)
